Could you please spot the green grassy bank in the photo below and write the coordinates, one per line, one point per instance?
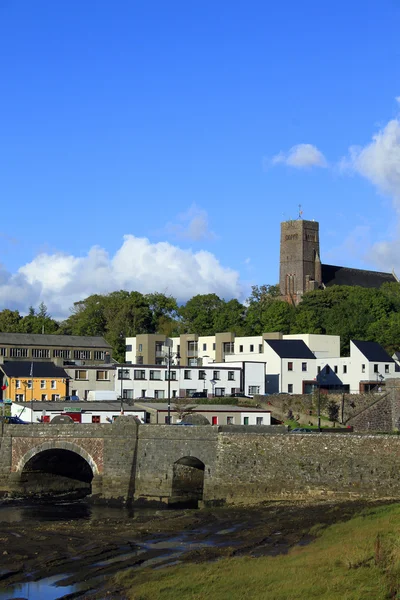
(353, 560)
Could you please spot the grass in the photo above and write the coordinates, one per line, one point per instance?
(354, 560)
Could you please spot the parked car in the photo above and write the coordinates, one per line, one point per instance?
(302, 430)
(15, 421)
(198, 395)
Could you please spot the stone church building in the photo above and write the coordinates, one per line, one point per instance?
(301, 269)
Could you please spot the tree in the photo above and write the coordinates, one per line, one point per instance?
(333, 411)
(183, 408)
(199, 314)
(10, 321)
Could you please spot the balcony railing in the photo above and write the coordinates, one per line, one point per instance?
(192, 353)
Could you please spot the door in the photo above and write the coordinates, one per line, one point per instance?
(214, 420)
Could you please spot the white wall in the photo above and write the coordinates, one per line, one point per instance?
(323, 346)
(252, 416)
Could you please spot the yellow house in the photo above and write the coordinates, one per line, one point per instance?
(23, 381)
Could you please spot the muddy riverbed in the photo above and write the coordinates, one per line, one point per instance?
(72, 551)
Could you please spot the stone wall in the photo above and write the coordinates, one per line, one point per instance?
(255, 468)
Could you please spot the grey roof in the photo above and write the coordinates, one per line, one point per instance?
(290, 348)
(39, 339)
(163, 406)
(333, 275)
(373, 351)
(17, 368)
(84, 406)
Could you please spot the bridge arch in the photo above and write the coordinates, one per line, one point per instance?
(54, 445)
(57, 468)
(188, 480)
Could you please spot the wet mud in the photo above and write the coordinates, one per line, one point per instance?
(83, 555)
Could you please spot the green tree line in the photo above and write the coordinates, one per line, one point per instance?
(351, 312)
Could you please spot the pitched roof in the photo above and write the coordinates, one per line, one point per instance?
(290, 348)
(373, 351)
(39, 339)
(332, 275)
(40, 369)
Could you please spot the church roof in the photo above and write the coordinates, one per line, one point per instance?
(333, 275)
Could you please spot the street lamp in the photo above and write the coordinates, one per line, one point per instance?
(169, 357)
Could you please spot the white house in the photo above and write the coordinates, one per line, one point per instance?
(80, 412)
(290, 365)
(214, 379)
(217, 414)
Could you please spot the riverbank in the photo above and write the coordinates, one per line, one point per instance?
(87, 554)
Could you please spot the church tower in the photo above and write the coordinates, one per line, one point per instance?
(300, 264)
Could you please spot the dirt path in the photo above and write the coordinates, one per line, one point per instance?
(88, 553)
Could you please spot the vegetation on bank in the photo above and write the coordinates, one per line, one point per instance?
(351, 312)
(353, 560)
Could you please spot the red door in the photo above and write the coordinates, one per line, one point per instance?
(214, 420)
(76, 417)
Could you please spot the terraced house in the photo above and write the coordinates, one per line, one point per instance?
(42, 347)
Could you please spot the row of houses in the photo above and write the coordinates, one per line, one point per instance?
(154, 413)
(266, 364)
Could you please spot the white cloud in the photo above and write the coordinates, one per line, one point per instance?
(59, 280)
(301, 156)
(192, 225)
(379, 161)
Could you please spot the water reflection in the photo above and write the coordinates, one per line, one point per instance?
(62, 511)
(45, 589)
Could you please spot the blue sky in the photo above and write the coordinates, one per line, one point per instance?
(160, 121)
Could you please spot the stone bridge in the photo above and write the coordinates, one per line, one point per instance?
(127, 461)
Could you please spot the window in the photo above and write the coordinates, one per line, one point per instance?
(290, 366)
(376, 369)
(82, 354)
(99, 355)
(123, 374)
(95, 418)
(172, 375)
(202, 374)
(344, 368)
(245, 420)
(231, 375)
(3, 351)
(159, 394)
(74, 393)
(160, 361)
(55, 397)
(259, 420)
(42, 384)
(214, 420)
(139, 360)
(318, 370)
(155, 375)
(102, 376)
(140, 347)
(18, 352)
(19, 397)
(187, 374)
(128, 348)
(254, 389)
(220, 392)
(229, 420)
(192, 362)
(241, 348)
(204, 347)
(191, 349)
(44, 397)
(216, 375)
(139, 375)
(29, 384)
(40, 353)
(189, 393)
(290, 388)
(335, 368)
(18, 384)
(251, 347)
(81, 375)
(167, 420)
(260, 348)
(304, 366)
(127, 394)
(214, 346)
(386, 368)
(229, 348)
(62, 354)
(174, 393)
(362, 368)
